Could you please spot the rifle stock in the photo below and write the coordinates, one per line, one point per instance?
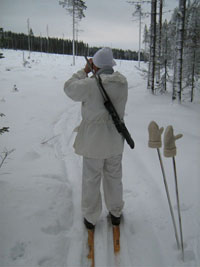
(120, 125)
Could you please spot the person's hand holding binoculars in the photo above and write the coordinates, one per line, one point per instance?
(87, 67)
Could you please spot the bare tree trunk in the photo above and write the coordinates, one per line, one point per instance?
(63, 43)
(193, 71)
(40, 43)
(139, 52)
(165, 62)
(73, 43)
(47, 38)
(159, 40)
(179, 48)
(29, 41)
(152, 63)
(175, 69)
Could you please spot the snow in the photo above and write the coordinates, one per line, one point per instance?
(40, 181)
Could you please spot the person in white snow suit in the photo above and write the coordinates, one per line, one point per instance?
(97, 139)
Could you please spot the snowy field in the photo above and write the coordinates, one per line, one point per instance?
(40, 181)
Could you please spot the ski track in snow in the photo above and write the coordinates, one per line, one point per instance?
(131, 230)
(77, 236)
(72, 169)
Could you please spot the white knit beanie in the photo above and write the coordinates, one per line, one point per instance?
(104, 58)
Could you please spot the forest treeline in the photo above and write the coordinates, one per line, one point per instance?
(21, 41)
(173, 47)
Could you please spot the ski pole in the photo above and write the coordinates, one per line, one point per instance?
(170, 151)
(168, 198)
(178, 205)
(155, 142)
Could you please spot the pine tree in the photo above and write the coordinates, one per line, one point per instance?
(192, 45)
(138, 12)
(76, 9)
(178, 67)
(159, 40)
(179, 49)
(152, 59)
(166, 54)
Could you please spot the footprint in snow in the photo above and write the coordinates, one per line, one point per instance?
(189, 256)
(54, 229)
(18, 251)
(183, 207)
(31, 155)
(129, 193)
(54, 177)
(45, 261)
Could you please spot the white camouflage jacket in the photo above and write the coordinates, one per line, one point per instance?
(97, 136)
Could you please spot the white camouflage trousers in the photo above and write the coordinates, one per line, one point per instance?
(110, 172)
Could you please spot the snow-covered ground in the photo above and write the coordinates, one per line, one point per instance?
(40, 181)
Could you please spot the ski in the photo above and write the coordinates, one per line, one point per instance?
(91, 247)
(116, 238)
(90, 244)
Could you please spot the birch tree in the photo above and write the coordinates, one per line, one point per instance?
(76, 9)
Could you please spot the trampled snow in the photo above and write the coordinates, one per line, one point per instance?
(40, 180)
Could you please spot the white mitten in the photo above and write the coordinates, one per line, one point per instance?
(169, 142)
(155, 135)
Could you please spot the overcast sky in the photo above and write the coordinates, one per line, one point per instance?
(106, 22)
